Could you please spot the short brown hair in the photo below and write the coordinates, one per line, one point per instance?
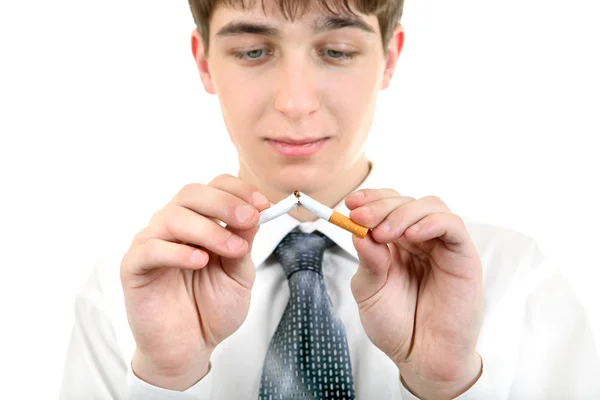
(388, 12)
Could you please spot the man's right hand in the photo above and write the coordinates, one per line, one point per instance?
(187, 279)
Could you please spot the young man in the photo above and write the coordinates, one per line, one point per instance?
(215, 307)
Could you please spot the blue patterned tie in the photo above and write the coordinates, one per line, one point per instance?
(308, 355)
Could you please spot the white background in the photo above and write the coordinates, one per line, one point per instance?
(495, 107)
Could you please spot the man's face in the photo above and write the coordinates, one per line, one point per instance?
(297, 98)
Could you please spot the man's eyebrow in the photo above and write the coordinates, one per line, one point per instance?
(324, 24)
(242, 27)
(338, 22)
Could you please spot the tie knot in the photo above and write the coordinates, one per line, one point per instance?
(300, 251)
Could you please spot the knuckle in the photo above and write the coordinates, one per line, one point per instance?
(170, 221)
(459, 220)
(221, 178)
(188, 190)
(126, 260)
(157, 216)
(125, 268)
(434, 199)
(141, 237)
(396, 221)
(365, 214)
(147, 250)
(368, 210)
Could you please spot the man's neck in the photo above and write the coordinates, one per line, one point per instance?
(330, 196)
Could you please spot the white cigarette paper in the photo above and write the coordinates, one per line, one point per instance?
(326, 213)
(320, 210)
(277, 210)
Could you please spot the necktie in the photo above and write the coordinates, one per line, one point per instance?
(308, 355)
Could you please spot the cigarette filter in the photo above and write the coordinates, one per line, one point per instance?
(332, 216)
(346, 223)
(277, 210)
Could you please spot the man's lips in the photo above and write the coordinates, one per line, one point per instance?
(297, 147)
(291, 141)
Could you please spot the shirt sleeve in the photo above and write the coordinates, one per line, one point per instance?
(95, 367)
(138, 389)
(558, 357)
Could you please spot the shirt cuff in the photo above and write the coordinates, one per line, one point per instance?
(138, 389)
(482, 389)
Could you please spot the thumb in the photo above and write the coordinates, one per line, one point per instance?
(374, 264)
(242, 269)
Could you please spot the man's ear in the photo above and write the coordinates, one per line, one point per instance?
(202, 62)
(393, 52)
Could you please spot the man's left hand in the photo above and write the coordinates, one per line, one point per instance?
(419, 290)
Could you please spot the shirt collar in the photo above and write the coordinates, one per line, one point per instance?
(271, 233)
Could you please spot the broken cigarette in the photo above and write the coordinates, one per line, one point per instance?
(330, 215)
(320, 210)
(283, 207)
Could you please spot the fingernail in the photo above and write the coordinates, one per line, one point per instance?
(415, 227)
(358, 195)
(259, 200)
(385, 227)
(234, 242)
(196, 257)
(244, 213)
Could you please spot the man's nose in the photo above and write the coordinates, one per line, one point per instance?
(296, 91)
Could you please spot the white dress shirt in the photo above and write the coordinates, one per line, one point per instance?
(535, 340)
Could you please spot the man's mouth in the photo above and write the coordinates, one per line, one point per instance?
(304, 147)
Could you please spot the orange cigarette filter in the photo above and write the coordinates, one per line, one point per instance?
(326, 213)
(346, 223)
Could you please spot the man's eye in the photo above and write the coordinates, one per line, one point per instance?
(250, 55)
(338, 55)
(257, 54)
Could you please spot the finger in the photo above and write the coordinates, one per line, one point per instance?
(373, 213)
(213, 202)
(245, 191)
(242, 269)
(447, 232)
(373, 267)
(156, 253)
(394, 225)
(179, 224)
(447, 227)
(361, 197)
(411, 248)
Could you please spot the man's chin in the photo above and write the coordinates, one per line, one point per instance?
(307, 180)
